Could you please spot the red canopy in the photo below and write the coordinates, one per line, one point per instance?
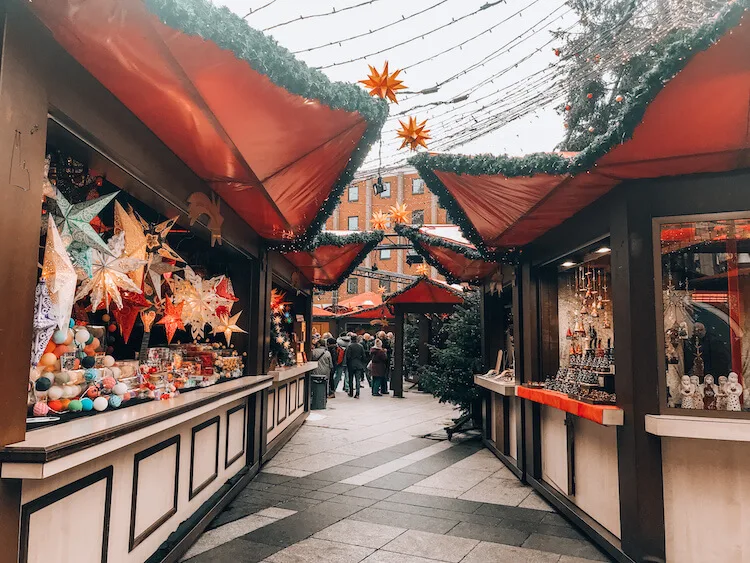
(695, 123)
(274, 138)
(333, 255)
(425, 290)
(378, 312)
(445, 248)
(320, 312)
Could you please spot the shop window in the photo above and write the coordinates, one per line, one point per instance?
(417, 186)
(352, 285)
(385, 254)
(705, 305)
(386, 193)
(353, 193)
(352, 223)
(417, 217)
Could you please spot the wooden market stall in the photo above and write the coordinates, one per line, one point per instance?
(130, 101)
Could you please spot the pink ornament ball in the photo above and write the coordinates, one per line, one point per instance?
(109, 382)
(41, 409)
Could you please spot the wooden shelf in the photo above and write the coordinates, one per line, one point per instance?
(698, 427)
(507, 389)
(601, 414)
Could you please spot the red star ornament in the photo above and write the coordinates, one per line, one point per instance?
(172, 319)
(132, 305)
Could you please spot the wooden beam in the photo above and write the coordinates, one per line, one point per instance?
(397, 380)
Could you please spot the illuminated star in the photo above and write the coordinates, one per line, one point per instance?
(412, 134)
(229, 326)
(423, 270)
(74, 220)
(135, 240)
(172, 319)
(60, 275)
(380, 220)
(382, 84)
(399, 214)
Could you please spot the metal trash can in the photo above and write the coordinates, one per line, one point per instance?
(318, 393)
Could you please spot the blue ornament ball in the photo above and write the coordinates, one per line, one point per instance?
(59, 336)
(42, 384)
(90, 375)
(88, 362)
(87, 404)
(115, 401)
(80, 354)
(71, 323)
(90, 340)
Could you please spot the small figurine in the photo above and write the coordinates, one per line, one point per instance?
(688, 393)
(698, 396)
(709, 392)
(721, 396)
(734, 391)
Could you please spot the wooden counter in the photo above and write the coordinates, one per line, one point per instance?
(601, 414)
(502, 388)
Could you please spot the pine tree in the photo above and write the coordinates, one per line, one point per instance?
(281, 346)
(450, 375)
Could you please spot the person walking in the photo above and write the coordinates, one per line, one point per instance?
(337, 365)
(387, 346)
(356, 361)
(343, 342)
(321, 355)
(379, 361)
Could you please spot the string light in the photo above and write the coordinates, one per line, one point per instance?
(319, 15)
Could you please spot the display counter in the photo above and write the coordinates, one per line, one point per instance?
(130, 477)
(499, 416)
(601, 414)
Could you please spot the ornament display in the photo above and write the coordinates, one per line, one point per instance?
(74, 220)
(383, 84)
(59, 274)
(412, 134)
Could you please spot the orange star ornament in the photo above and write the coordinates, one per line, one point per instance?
(382, 84)
(380, 220)
(399, 214)
(423, 270)
(172, 319)
(412, 134)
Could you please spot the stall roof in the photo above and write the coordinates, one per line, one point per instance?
(318, 312)
(445, 248)
(370, 313)
(426, 291)
(332, 256)
(274, 138)
(366, 299)
(688, 115)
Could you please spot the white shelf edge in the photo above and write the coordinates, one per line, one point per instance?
(698, 427)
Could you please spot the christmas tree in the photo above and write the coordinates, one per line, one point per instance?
(450, 374)
(281, 347)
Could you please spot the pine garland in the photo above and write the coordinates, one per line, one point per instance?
(266, 56)
(676, 56)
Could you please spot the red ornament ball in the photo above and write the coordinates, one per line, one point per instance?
(112, 328)
(619, 99)
(567, 107)
(55, 405)
(589, 95)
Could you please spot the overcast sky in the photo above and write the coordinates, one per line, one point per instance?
(540, 131)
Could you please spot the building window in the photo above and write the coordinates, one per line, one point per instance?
(353, 193)
(385, 254)
(352, 285)
(417, 186)
(417, 217)
(352, 223)
(386, 190)
(385, 285)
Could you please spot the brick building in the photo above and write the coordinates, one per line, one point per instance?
(354, 211)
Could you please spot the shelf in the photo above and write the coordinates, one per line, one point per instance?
(281, 374)
(507, 389)
(698, 427)
(601, 414)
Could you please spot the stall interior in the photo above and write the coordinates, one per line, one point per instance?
(705, 267)
(289, 329)
(130, 306)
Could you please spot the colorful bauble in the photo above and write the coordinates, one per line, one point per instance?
(50, 347)
(55, 392)
(87, 404)
(109, 382)
(100, 404)
(82, 336)
(55, 406)
(75, 406)
(112, 328)
(41, 409)
(115, 401)
(105, 318)
(69, 338)
(108, 361)
(90, 374)
(88, 362)
(42, 384)
(59, 336)
(120, 389)
(90, 340)
(48, 359)
(92, 392)
(69, 391)
(62, 377)
(116, 372)
(60, 349)
(64, 403)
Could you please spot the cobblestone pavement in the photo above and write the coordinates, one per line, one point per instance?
(360, 482)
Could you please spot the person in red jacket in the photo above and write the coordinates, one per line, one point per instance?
(379, 359)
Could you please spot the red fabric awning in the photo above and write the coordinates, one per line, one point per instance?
(272, 155)
(378, 312)
(320, 312)
(425, 290)
(697, 123)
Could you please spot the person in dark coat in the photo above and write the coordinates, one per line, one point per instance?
(389, 351)
(356, 363)
(379, 359)
(337, 368)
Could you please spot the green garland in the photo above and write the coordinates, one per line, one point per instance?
(266, 56)
(676, 56)
(370, 239)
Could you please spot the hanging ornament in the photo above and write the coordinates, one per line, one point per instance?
(158, 269)
(567, 107)
(591, 129)
(225, 290)
(156, 239)
(229, 326)
(277, 301)
(135, 240)
(44, 323)
(172, 319)
(199, 299)
(619, 99)
(110, 275)
(380, 220)
(589, 95)
(132, 305)
(556, 50)
(74, 220)
(147, 318)
(398, 213)
(423, 270)
(412, 134)
(383, 84)
(48, 188)
(61, 278)
(200, 204)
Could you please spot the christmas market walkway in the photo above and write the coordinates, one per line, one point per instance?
(359, 482)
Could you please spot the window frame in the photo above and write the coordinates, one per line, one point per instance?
(382, 250)
(349, 192)
(349, 225)
(412, 217)
(421, 184)
(386, 194)
(349, 284)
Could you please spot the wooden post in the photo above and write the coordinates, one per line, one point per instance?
(397, 380)
(424, 338)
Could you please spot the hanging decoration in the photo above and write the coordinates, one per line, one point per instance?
(229, 326)
(380, 220)
(414, 135)
(225, 290)
(61, 278)
(156, 239)
(110, 275)
(200, 204)
(398, 213)
(44, 323)
(423, 270)
(48, 188)
(382, 84)
(158, 268)
(172, 319)
(74, 220)
(135, 240)
(133, 304)
(200, 301)
(281, 346)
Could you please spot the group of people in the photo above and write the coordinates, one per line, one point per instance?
(353, 357)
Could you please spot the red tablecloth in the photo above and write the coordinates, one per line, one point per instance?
(564, 403)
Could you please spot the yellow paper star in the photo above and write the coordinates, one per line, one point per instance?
(60, 275)
(423, 270)
(412, 134)
(380, 220)
(229, 326)
(135, 240)
(382, 84)
(399, 214)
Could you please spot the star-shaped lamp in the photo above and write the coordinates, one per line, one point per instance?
(172, 319)
(60, 275)
(412, 134)
(380, 220)
(423, 270)
(132, 305)
(44, 322)
(156, 238)
(135, 240)
(383, 84)
(229, 326)
(399, 214)
(75, 219)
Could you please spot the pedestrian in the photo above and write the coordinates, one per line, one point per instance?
(386, 343)
(337, 365)
(379, 366)
(356, 361)
(367, 343)
(321, 355)
(343, 342)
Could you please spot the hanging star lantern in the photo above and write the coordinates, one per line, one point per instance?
(229, 326)
(156, 238)
(423, 270)
(110, 275)
(74, 220)
(413, 135)
(398, 213)
(382, 84)
(225, 290)
(277, 301)
(44, 323)
(132, 305)
(60, 275)
(380, 220)
(381, 289)
(172, 319)
(135, 240)
(199, 299)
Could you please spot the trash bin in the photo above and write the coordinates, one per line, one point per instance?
(319, 393)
